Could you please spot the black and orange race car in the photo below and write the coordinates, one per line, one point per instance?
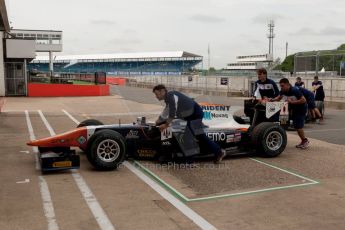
(107, 146)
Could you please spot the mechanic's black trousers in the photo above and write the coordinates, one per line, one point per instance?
(194, 122)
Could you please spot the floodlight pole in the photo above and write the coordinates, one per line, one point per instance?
(294, 64)
(51, 66)
(270, 37)
(286, 49)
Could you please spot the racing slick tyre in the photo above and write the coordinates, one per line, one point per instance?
(89, 122)
(269, 139)
(107, 150)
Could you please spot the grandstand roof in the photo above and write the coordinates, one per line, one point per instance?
(169, 54)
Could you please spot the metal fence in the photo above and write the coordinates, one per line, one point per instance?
(321, 63)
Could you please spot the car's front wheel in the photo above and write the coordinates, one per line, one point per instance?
(107, 150)
(269, 139)
(89, 122)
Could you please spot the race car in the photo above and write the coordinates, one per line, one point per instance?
(278, 112)
(107, 146)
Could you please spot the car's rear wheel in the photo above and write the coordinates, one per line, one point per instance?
(107, 150)
(269, 139)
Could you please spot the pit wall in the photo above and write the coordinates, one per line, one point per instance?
(66, 90)
(242, 86)
(211, 85)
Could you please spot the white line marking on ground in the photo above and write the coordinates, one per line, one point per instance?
(96, 209)
(48, 204)
(188, 212)
(91, 200)
(286, 171)
(24, 151)
(23, 181)
(46, 123)
(45, 194)
(71, 117)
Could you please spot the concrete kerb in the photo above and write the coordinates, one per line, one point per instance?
(185, 199)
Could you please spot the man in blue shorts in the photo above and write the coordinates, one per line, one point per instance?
(298, 105)
(309, 96)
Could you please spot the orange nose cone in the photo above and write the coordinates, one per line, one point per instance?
(41, 142)
(77, 137)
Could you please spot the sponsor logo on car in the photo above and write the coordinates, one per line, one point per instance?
(209, 115)
(132, 134)
(81, 140)
(216, 107)
(166, 143)
(230, 138)
(217, 136)
(235, 137)
(146, 152)
(166, 134)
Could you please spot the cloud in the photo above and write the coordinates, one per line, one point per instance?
(305, 31)
(206, 18)
(103, 22)
(265, 18)
(129, 31)
(326, 31)
(332, 31)
(256, 41)
(123, 41)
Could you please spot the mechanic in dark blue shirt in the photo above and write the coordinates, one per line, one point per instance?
(297, 103)
(179, 106)
(299, 82)
(264, 87)
(318, 89)
(309, 96)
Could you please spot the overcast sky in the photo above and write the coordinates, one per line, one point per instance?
(231, 27)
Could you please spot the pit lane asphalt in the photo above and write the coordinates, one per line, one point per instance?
(122, 195)
(331, 130)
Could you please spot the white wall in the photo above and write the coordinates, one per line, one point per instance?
(2, 67)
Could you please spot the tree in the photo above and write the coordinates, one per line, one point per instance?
(287, 64)
(341, 47)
